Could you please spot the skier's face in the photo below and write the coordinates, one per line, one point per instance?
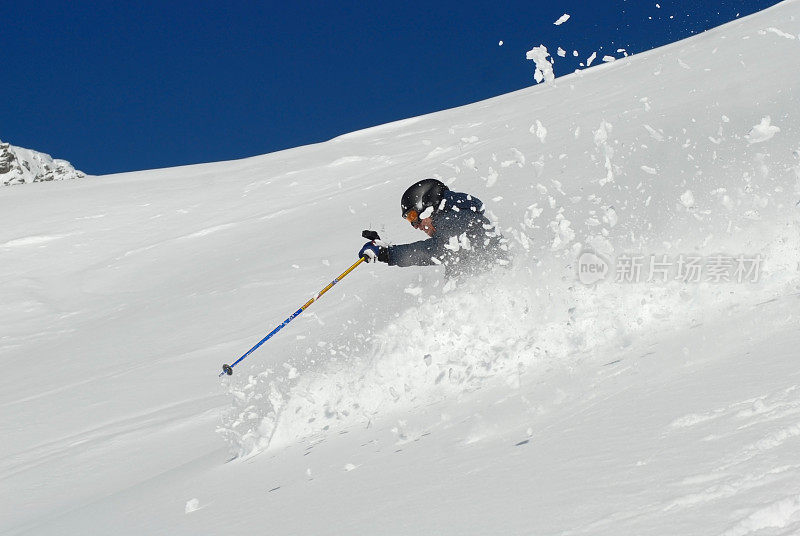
(426, 225)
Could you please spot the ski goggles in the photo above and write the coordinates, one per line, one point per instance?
(412, 216)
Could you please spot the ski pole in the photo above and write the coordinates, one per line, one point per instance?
(228, 369)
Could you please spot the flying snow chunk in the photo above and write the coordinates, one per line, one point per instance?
(564, 234)
(561, 52)
(564, 18)
(539, 130)
(687, 199)
(500, 44)
(544, 66)
(610, 217)
(649, 170)
(490, 179)
(762, 132)
(414, 291)
(656, 135)
(591, 59)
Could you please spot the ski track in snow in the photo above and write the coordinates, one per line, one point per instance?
(32, 241)
(778, 514)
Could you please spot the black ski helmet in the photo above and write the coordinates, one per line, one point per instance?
(423, 194)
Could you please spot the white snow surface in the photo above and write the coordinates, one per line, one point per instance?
(762, 132)
(518, 402)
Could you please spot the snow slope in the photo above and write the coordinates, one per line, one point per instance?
(521, 402)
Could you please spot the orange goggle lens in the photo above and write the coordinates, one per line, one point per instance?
(412, 216)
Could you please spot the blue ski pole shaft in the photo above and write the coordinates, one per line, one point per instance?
(228, 369)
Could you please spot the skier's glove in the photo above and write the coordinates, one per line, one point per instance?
(374, 250)
(373, 253)
(370, 235)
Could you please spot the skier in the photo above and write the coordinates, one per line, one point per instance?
(461, 237)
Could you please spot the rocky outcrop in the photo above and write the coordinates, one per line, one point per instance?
(20, 166)
(7, 159)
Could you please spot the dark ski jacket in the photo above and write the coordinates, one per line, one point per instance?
(464, 240)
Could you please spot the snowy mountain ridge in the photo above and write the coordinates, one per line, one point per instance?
(660, 399)
(21, 166)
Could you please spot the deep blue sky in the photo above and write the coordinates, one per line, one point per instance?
(121, 86)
